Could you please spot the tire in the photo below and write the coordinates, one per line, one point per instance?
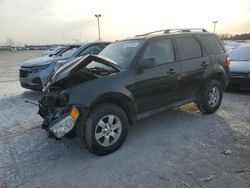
(210, 97)
(102, 135)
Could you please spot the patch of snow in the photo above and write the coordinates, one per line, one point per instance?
(15, 114)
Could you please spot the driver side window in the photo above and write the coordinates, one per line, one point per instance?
(161, 51)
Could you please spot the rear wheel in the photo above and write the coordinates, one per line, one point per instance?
(210, 97)
(106, 129)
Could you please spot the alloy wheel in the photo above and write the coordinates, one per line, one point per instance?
(108, 130)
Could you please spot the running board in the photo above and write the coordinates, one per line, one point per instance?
(168, 107)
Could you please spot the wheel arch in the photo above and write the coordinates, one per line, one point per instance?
(120, 100)
(218, 75)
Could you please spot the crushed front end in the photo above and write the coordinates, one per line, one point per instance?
(59, 117)
(63, 105)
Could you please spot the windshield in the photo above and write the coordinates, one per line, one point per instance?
(56, 50)
(122, 52)
(241, 54)
(69, 52)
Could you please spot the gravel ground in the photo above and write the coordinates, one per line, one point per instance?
(176, 148)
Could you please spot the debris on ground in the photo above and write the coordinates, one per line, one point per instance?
(226, 152)
(206, 179)
(66, 145)
(242, 171)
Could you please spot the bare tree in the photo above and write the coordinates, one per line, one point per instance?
(9, 42)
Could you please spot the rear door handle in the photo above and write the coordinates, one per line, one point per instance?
(171, 71)
(204, 64)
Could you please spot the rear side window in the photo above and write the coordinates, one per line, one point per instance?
(188, 48)
(211, 44)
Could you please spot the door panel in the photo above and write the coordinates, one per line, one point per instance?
(193, 64)
(191, 75)
(156, 87)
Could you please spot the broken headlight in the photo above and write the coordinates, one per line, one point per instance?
(65, 125)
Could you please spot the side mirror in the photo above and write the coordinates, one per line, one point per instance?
(147, 63)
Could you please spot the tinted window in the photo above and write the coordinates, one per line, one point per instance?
(211, 44)
(188, 48)
(161, 50)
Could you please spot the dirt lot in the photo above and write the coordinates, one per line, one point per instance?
(177, 148)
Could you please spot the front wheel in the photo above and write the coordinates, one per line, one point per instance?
(210, 97)
(106, 129)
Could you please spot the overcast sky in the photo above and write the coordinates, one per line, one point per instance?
(67, 21)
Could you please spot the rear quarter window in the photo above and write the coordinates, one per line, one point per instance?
(212, 44)
(188, 47)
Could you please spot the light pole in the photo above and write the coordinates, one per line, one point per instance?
(98, 17)
(215, 22)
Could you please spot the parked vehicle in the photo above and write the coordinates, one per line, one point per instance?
(34, 74)
(53, 51)
(240, 68)
(232, 45)
(96, 97)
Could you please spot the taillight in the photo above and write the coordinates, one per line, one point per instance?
(228, 62)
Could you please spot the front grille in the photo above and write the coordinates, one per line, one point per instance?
(23, 73)
(37, 81)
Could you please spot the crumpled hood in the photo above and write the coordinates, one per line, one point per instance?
(71, 67)
(240, 66)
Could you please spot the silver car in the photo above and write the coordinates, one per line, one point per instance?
(240, 68)
(35, 73)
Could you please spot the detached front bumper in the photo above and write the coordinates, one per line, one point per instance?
(61, 126)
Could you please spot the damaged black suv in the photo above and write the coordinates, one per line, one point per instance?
(96, 97)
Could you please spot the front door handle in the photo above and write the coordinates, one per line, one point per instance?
(204, 64)
(171, 71)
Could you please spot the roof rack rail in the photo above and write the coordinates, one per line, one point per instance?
(165, 31)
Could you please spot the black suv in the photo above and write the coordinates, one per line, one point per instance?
(98, 96)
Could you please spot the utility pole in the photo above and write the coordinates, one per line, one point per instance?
(98, 17)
